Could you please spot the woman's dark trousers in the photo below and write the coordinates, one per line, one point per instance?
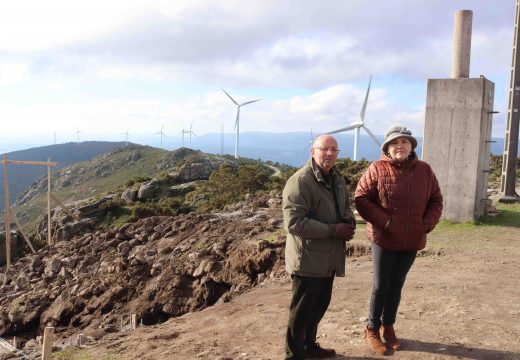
(389, 274)
(310, 300)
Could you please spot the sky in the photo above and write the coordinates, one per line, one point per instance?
(112, 70)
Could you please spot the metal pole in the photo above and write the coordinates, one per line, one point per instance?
(508, 179)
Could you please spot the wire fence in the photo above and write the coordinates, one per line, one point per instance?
(7, 348)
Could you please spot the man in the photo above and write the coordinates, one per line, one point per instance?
(318, 221)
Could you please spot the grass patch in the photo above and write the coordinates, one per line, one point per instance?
(508, 216)
(490, 234)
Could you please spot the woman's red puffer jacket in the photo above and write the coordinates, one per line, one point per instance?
(405, 193)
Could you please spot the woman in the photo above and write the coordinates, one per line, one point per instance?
(400, 199)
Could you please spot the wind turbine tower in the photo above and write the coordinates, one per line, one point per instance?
(311, 141)
(237, 121)
(221, 139)
(190, 132)
(357, 125)
(161, 133)
(126, 133)
(77, 133)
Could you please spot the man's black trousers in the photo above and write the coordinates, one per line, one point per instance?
(310, 300)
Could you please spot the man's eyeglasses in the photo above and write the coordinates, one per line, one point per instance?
(326, 150)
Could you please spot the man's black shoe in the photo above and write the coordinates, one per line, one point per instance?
(317, 352)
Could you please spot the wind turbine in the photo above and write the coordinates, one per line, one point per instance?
(188, 132)
(237, 121)
(356, 125)
(78, 132)
(126, 133)
(161, 133)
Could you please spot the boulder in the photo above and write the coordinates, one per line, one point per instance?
(149, 190)
(194, 171)
(69, 230)
(129, 195)
(91, 209)
(182, 189)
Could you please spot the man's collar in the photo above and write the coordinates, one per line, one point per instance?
(319, 172)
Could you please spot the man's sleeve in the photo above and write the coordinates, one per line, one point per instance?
(296, 206)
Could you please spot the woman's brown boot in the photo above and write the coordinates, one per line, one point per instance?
(388, 333)
(374, 342)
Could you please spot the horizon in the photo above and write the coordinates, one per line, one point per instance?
(292, 150)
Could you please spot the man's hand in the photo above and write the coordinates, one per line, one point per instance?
(343, 231)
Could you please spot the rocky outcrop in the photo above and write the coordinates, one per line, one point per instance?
(195, 171)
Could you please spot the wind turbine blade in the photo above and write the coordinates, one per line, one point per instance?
(163, 134)
(350, 127)
(249, 102)
(230, 97)
(191, 125)
(194, 134)
(371, 135)
(364, 108)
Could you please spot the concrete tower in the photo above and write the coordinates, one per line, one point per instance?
(457, 130)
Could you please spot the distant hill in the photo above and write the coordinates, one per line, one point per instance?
(21, 176)
(292, 148)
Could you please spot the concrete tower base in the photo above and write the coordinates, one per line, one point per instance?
(457, 136)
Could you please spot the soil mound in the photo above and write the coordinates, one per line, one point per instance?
(157, 268)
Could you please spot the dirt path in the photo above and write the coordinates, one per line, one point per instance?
(461, 302)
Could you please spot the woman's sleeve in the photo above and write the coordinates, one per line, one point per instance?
(367, 199)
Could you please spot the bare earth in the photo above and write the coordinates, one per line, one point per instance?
(461, 301)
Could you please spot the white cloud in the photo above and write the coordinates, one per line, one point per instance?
(12, 72)
(137, 64)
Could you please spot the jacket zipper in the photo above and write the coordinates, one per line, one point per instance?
(408, 207)
(338, 216)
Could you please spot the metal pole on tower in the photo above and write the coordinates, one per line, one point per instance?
(508, 179)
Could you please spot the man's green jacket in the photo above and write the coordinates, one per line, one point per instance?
(310, 204)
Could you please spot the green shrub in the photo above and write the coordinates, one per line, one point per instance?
(229, 185)
(352, 170)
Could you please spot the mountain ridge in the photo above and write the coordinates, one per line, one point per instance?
(21, 176)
